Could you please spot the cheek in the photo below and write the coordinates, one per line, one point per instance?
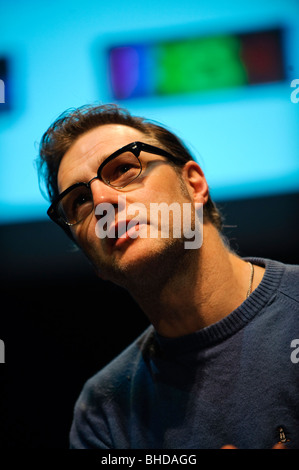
(162, 187)
(166, 192)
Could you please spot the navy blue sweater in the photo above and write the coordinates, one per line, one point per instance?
(234, 382)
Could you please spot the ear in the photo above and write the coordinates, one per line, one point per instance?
(196, 182)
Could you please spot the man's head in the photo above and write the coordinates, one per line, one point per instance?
(72, 124)
(79, 144)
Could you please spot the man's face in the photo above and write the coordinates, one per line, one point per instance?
(123, 259)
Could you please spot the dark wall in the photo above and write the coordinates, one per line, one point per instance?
(60, 323)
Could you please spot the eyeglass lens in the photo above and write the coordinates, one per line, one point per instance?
(121, 170)
(76, 205)
(118, 173)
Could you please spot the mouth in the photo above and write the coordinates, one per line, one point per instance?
(123, 231)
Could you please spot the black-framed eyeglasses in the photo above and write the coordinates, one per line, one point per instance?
(118, 170)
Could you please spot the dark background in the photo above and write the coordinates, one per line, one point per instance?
(60, 323)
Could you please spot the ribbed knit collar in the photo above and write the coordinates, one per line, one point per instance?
(238, 318)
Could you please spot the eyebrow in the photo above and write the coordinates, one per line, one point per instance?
(88, 154)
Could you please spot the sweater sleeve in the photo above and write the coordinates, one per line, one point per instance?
(89, 429)
(103, 412)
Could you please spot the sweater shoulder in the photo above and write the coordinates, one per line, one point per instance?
(116, 375)
(289, 285)
(282, 278)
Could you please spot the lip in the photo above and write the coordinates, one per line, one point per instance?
(118, 234)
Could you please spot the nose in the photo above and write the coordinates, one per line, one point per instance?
(104, 194)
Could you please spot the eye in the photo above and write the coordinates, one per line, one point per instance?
(80, 199)
(121, 170)
(81, 205)
(124, 173)
(77, 204)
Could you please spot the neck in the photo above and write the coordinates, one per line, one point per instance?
(208, 284)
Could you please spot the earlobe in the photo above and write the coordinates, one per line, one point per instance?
(196, 182)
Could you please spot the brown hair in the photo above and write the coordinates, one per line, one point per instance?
(71, 124)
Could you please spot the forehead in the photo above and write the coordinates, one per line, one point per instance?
(86, 154)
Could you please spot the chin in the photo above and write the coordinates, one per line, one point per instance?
(143, 262)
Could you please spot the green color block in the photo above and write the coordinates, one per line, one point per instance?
(199, 64)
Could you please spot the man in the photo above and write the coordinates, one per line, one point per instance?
(215, 367)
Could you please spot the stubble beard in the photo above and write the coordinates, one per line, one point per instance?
(160, 261)
(149, 271)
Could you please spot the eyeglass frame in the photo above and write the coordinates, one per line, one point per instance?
(136, 148)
